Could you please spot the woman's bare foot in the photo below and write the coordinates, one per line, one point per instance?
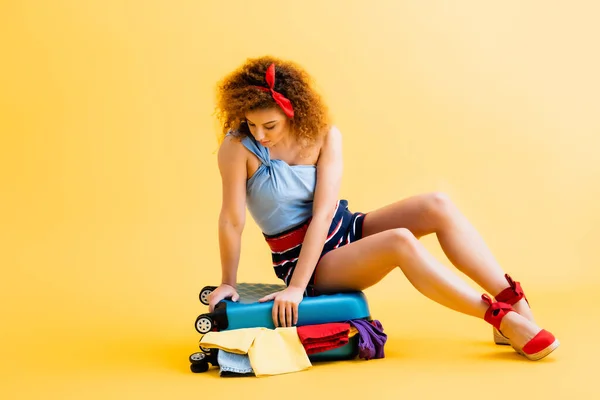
(518, 329)
(522, 308)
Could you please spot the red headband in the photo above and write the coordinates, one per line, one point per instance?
(280, 99)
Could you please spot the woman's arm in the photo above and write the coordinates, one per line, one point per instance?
(329, 176)
(232, 160)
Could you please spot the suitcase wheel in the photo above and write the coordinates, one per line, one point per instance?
(199, 362)
(204, 324)
(205, 292)
(205, 350)
(199, 367)
(197, 358)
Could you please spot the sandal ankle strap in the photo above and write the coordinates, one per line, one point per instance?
(496, 311)
(512, 294)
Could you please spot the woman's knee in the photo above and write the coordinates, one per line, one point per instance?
(438, 206)
(401, 242)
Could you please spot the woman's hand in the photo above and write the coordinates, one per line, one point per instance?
(285, 307)
(224, 291)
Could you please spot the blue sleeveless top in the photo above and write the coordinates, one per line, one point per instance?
(279, 196)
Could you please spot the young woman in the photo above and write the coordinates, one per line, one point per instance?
(282, 159)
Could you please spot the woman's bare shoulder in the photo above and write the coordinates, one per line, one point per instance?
(232, 150)
(334, 133)
(332, 137)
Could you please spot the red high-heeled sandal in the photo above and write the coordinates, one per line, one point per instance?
(511, 295)
(537, 348)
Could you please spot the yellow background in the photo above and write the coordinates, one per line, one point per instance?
(110, 193)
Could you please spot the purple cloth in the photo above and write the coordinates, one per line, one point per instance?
(371, 338)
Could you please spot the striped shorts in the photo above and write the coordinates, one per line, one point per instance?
(346, 227)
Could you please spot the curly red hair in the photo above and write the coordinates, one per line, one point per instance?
(236, 95)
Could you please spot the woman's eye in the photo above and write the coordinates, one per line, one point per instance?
(269, 127)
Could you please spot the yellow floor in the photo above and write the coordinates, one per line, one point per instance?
(431, 353)
(110, 191)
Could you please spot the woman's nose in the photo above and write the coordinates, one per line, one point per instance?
(259, 134)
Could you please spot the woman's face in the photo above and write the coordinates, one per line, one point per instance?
(268, 126)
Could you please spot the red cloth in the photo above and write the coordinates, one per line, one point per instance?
(322, 337)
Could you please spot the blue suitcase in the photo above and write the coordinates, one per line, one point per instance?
(247, 312)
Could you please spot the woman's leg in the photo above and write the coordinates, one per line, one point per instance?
(462, 244)
(363, 263)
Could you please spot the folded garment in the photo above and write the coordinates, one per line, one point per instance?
(278, 351)
(270, 351)
(371, 338)
(235, 341)
(232, 364)
(323, 337)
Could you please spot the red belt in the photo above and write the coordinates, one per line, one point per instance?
(288, 240)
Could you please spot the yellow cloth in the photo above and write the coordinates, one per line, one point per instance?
(236, 341)
(270, 351)
(353, 331)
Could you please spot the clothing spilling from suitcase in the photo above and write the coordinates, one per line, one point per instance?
(240, 339)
